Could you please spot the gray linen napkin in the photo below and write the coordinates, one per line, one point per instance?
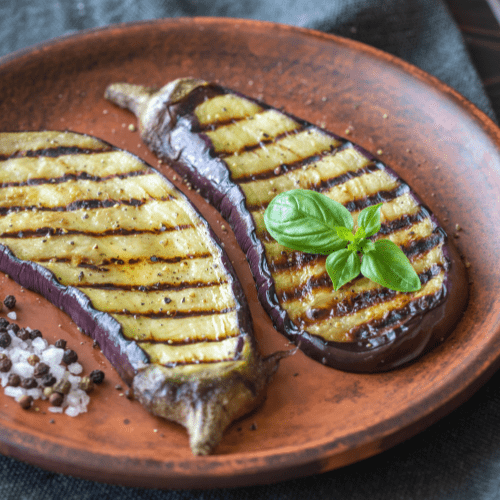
(458, 458)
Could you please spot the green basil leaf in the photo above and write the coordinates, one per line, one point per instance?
(342, 267)
(360, 234)
(367, 246)
(344, 233)
(369, 220)
(388, 266)
(306, 221)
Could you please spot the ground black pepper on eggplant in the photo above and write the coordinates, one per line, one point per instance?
(240, 153)
(111, 242)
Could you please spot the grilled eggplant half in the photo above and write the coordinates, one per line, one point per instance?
(114, 244)
(241, 153)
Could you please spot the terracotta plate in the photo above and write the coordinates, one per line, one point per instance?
(315, 418)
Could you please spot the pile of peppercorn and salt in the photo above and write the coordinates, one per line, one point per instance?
(32, 369)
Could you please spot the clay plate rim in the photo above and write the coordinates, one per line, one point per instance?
(253, 467)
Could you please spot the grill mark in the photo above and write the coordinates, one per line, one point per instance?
(110, 262)
(153, 288)
(403, 222)
(80, 205)
(375, 328)
(423, 245)
(286, 167)
(411, 250)
(51, 231)
(322, 186)
(81, 176)
(380, 197)
(362, 300)
(295, 259)
(174, 314)
(216, 124)
(263, 143)
(355, 205)
(55, 152)
(188, 103)
(197, 362)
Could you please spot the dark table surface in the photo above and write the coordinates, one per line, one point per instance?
(481, 31)
(457, 458)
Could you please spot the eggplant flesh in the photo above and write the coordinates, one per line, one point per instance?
(240, 153)
(114, 244)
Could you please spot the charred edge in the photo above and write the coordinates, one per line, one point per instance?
(55, 152)
(357, 302)
(152, 288)
(81, 176)
(52, 231)
(375, 328)
(174, 314)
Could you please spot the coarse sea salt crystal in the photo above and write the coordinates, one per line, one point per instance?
(34, 393)
(55, 409)
(72, 411)
(23, 369)
(75, 368)
(12, 315)
(57, 371)
(52, 356)
(14, 392)
(39, 344)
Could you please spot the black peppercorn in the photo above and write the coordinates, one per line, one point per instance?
(41, 369)
(35, 334)
(23, 334)
(14, 328)
(48, 380)
(10, 302)
(61, 343)
(56, 399)
(5, 365)
(3, 323)
(5, 339)
(70, 356)
(14, 380)
(25, 402)
(97, 376)
(29, 383)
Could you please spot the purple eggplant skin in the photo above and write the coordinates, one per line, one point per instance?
(204, 397)
(170, 128)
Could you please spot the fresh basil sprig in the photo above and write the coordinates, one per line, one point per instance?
(311, 222)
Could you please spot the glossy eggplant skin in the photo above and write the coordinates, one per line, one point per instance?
(189, 124)
(115, 245)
